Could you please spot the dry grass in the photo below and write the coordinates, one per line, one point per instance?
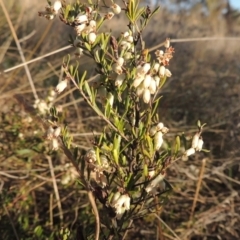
(205, 85)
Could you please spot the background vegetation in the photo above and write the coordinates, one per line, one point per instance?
(36, 198)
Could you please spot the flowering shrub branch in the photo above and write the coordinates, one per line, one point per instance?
(125, 168)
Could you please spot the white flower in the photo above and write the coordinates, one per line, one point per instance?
(140, 90)
(120, 61)
(156, 67)
(110, 98)
(125, 45)
(119, 80)
(147, 81)
(151, 186)
(162, 71)
(189, 152)
(126, 34)
(123, 201)
(129, 39)
(57, 132)
(158, 140)
(138, 80)
(55, 144)
(157, 80)
(146, 95)
(164, 130)
(116, 8)
(160, 126)
(61, 86)
(200, 144)
(195, 140)
(92, 37)
(57, 5)
(117, 68)
(168, 73)
(152, 87)
(81, 18)
(153, 131)
(151, 174)
(50, 133)
(93, 24)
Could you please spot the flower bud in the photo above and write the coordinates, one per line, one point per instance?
(116, 8)
(93, 24)
(90, 156)
(167, 43)
(125, 45)
(164, 130)
(126, 34)
(50, 133)
(146, 67)
(158, 140)
(146, 95)
(92, 37)
(61, 86)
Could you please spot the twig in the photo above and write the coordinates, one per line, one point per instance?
(55, 188)
(19, 50)
(175, 235)
(197, 190)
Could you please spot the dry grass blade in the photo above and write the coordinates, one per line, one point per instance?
(19, 49)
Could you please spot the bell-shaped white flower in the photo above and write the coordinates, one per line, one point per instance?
(92, 37)
(195, 140)
(189, 152)
(158, 140)
(81, 19)
(162, 71)
(55, 144)
(138, 80)
(147, 81)
(200, 144)
(57, 5)
(61, 86)
(153, 184)
(168, 73)
(57, 132)
(116, 8)
(120, 61)
(146, 95)
(152, 87)
(119, 80)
